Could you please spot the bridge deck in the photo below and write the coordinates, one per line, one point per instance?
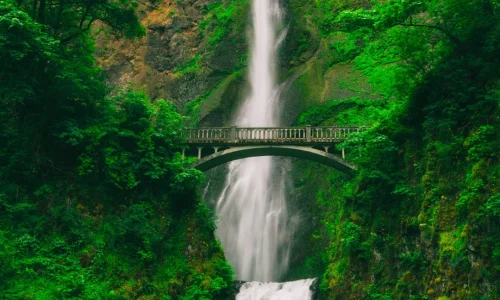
(237, 136)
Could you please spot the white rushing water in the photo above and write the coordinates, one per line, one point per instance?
(294, 290)
(252, 208)
(255, 228)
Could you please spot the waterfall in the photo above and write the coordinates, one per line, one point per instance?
(254, 226)
(252, 208)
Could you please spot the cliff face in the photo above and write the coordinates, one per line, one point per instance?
(419, 220)
(185, 53)
(196, 52)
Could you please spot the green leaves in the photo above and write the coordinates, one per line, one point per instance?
(483, 144)
(21, 37)
(95, 199)
(135, 143)
(23, 45)
(428, 165)
(492, 206)
(219, 19)
(351, 235)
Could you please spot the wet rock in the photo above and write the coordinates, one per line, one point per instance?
(315, 290)
(200, 4)
(231, 292)
(168, 51)
(193, 14)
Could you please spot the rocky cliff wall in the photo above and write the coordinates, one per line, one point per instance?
(195, 54)
(189, 49)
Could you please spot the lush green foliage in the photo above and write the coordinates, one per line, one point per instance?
(221, 19)
(423, 210)
(95, 201)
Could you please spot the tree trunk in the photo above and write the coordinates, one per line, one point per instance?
(41, 12)
(57, 22)
(35, 3)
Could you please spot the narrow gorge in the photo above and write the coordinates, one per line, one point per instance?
(99, 198)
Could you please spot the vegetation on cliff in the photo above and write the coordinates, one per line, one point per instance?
(421, 219)
(95, 201)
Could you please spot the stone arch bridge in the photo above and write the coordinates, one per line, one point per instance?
(232, 143)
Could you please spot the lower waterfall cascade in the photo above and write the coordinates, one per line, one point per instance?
(293, 290)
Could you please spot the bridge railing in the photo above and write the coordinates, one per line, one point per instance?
(332, 133)
(270, 134)
(216, 134)
(257, 135)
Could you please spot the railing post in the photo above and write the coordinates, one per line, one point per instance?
(233, 134)
(199, 152)
(308, 133)
(343, 153)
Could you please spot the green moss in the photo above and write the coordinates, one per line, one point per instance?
(212, 100)
(424, 204)
(192, 66)
(220, 19)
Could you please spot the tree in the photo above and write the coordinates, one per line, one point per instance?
(51, 89)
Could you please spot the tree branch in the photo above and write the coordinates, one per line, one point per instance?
(87, 9)
(59, 15)
(69, 38)
(453, 38)
(41, 11)
(35, 3)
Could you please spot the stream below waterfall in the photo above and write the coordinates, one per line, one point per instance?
(293, 290)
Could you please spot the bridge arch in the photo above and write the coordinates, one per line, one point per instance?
(235, 153)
